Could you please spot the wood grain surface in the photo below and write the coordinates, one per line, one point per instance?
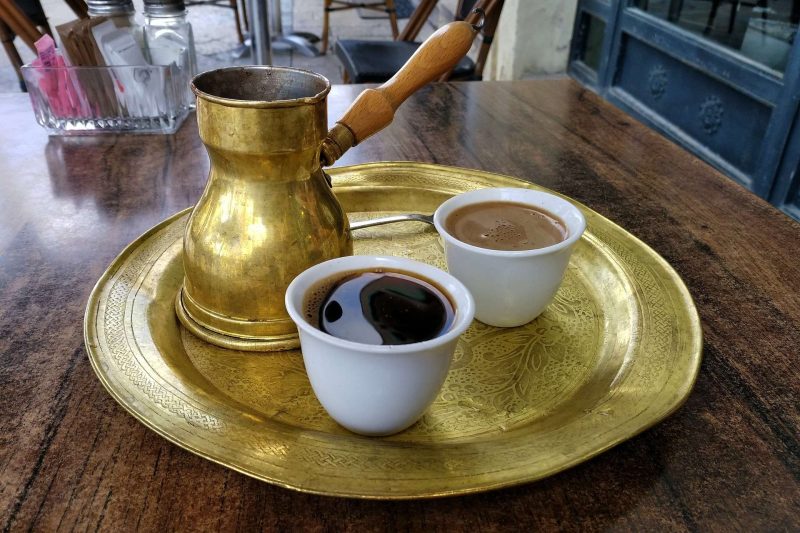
(728, 460)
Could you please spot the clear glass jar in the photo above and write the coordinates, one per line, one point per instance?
(167, 33)
(118, 36)
(120, 12)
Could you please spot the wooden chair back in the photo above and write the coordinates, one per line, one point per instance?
(340, 5)
(19, 23)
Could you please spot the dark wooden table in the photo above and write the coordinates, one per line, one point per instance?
(71, 458)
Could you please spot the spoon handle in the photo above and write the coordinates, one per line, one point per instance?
(374, 109)
(390, 220)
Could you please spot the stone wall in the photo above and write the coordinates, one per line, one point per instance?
(532, 39)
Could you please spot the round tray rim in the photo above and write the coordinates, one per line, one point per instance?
(693, 356)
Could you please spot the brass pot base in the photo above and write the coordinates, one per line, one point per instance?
(271, 343)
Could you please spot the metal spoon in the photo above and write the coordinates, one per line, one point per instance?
(390, 220)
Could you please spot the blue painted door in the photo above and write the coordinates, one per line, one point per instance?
(721, 78)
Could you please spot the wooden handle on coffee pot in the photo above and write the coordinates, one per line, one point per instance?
(374, 109)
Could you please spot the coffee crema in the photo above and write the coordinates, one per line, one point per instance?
(505, 226)
(379, 307)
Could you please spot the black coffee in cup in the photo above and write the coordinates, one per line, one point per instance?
(379, 307)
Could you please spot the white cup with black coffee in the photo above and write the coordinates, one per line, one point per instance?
(377, 335)
(510, 247)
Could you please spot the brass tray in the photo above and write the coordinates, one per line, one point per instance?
(616, 352)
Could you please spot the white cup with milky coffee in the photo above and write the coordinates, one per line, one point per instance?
(510, 247)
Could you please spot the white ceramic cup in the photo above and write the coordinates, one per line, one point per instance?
(376, 389)
(510, 288)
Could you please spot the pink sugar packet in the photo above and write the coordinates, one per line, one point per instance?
(46, 50)
(62, 90)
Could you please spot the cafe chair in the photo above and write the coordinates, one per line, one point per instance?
(239, 17)
(24, 19)
(366, 61)
(340, 5)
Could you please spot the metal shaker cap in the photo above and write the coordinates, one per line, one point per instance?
(164, 7)
(110, 7)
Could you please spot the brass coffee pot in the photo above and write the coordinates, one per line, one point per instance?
(268, 212)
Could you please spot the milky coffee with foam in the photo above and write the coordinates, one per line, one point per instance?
(505, 226)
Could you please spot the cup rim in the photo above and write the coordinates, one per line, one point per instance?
(497, 193)
(261, 104)
(459, 295)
